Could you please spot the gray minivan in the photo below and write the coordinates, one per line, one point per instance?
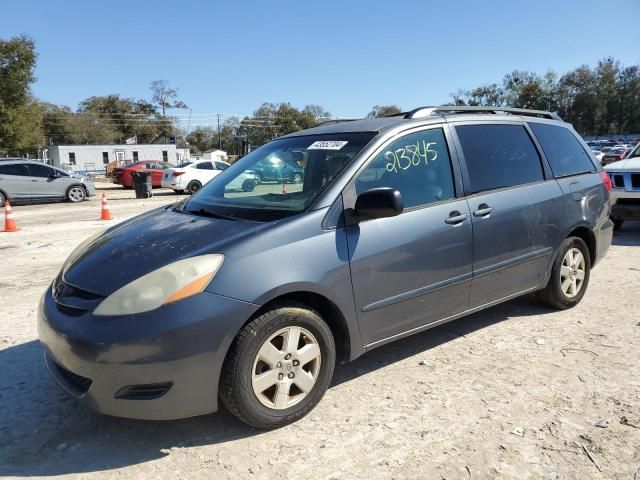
(23, 180)
(400, 224)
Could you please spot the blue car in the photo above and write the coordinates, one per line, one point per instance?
(250, 298)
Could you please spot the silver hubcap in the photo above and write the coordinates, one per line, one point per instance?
(572, 272)
(76, 194)
(286, 368)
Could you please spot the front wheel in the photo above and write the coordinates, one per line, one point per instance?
(248, 185)
(279, 367)
(76, 194)
(194, 186)
(569, 275)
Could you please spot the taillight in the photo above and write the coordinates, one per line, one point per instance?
(177, 174)
(606, 180)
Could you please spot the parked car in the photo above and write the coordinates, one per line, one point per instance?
(191, 176)
(614, 154)
(277, 169)
(598, 154)
(33, 181)
(401, 224)
(122, 175)
(625, 194)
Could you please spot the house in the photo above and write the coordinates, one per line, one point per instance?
(94, 158)
(219, 155)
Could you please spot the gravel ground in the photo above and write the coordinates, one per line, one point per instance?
(517, 391)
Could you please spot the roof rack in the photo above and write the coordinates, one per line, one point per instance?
(337, 120)
(423, 112)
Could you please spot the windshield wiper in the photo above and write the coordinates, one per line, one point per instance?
(203, 212)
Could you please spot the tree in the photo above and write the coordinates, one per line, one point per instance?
(379, 111)
(20, 120)
(164, 96)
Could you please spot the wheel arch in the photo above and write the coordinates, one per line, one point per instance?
(327, 309)
(587, 236)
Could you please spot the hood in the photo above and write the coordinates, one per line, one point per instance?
(146, 243)
(624, 165)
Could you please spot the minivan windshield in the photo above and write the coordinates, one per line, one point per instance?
(279, 179)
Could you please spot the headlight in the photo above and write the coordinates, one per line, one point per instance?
(170, 283)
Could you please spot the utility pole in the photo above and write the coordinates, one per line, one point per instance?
(219, 137)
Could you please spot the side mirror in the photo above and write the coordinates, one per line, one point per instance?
(379, 203)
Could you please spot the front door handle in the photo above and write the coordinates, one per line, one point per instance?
(483, 210)
(456, 217)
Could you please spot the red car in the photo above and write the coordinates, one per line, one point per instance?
(122, 175)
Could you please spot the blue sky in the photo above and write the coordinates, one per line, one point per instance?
(344, 55)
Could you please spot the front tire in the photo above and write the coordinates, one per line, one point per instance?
(2, 199)
(278, 368)
(569, 275)
(248, 185)
(76, 194)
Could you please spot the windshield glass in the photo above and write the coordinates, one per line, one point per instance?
(279, 179)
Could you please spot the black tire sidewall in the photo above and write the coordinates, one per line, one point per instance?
(248, 185)
(251, 410)
(192, 184)
(555, 281)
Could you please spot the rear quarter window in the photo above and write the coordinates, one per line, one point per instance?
(14, 169)
(563, 150)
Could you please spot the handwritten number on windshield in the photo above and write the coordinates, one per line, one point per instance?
(410, 156)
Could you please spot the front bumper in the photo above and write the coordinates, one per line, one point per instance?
(90, 188)
(180, 345)
(625, 205)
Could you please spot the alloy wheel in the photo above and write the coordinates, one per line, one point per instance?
(286, 368)
(76, 194)
(572, 272)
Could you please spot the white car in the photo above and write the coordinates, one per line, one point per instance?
(191, 176)
(625, 194)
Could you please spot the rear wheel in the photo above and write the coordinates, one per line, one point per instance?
(76, 194)
(617, 223)
(194, 186)
(278, 367)
(2, 199)
(569, 275)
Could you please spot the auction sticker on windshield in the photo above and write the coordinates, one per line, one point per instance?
(327, 145)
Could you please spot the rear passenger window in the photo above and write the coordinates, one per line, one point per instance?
(16, 169)
(563, 150)
(417, 165)
(499, 156)
(205, 166)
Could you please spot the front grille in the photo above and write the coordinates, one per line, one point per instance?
(73, 300)
(635, 181)
(79, 384)
(618, 180)
(143, 392)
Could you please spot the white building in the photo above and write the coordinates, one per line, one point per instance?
(219, 155)
(93, 158)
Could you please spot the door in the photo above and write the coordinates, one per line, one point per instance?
(15, 181)
(44, 182)
(413, 269)
(516, 209)
(157, 171)
(206, 171)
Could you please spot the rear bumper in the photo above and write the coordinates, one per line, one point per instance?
(171, 357)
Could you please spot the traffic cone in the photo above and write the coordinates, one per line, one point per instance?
(9, 221)
(105, 214)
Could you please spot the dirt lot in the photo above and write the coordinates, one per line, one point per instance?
(512, 392)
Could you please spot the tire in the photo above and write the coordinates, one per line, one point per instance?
(296, 178)
(554, 295)
(244, 362)
(76, 194)
(193, 186)
(617, 223)
(259, 177)
(249, 185)
(2, 199)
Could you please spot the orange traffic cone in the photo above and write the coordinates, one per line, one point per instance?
(9, 221)
(105, 214)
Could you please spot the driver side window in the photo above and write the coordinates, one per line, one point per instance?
(417, 165)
